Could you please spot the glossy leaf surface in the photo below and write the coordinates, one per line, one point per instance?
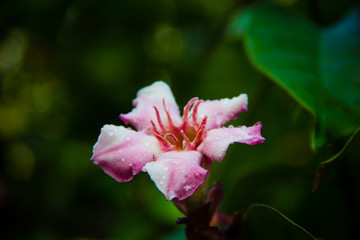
(319, 67)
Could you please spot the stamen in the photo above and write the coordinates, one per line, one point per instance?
(187, 141)
(159, 120)
(154, 127)
(204, 121)
(162, 140)
(186, 111)
(168, 115)
(200, 132)
(172, 136)
(194, 113)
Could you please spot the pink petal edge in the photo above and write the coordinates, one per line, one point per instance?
(177, 174)
(147, 98)
(221, 111)
(122, 152)
(218, 140)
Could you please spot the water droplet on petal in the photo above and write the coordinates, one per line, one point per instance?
(123, 159)
(163, 177)
(187, 187)
(161, 183)
(147, 144)
(127, 138)
(166, 168)
(111, 133)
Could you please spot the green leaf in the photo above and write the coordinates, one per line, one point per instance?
(263, 222)
(319, 67)
(351, 145)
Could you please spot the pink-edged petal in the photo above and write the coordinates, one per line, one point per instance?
(147, 98)
(218, 140)
(177, 174)
(123, 152)
(221, 111)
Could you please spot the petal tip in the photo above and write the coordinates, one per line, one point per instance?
(123, 118)
(243, 101)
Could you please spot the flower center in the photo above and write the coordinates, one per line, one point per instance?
(188, 135)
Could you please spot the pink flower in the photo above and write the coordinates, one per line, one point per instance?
(175, 151)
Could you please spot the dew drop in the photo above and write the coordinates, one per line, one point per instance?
(187, 187)
(127, 138)
(111, 134)
(163, 177)
(226, 101)
(161, 183)
(123, 159)
(166, 168)
(147, 144)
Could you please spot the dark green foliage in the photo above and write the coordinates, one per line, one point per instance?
(318, 66)
(68, 67)
(264, 222)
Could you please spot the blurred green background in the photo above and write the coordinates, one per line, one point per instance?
(69, 67)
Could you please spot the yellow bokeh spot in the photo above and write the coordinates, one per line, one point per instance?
(12, 121)
(166, 44)
(20, 161)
